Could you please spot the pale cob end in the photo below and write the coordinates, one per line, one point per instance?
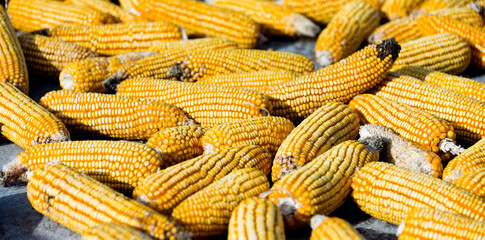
(304, 26)
(13, 172)
(59, 136)
(388, 47)
(324, 57)
(317, 220)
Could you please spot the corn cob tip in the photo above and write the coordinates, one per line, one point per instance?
(288, 205)
(208, 147)
(66, 80)
(304, 26)
(448, 145)
(177, 71)
(388, 47)
(59, 136)
(12, 173)
(111, 83)
(324, 57)
(373, 143)
(316, 220)
(374, 37)
(400, 228)
(288, 165)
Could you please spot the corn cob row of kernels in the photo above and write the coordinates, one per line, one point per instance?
(328, 228)
(395, 9)
(114, 231)
(433, 5)
(473, 181)
(470, 160)
(118, 14)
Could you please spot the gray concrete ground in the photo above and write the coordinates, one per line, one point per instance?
(18, 220)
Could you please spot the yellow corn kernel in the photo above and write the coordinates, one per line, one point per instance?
(119, 14)
(128, 4)
(394, 9)
(463, 14)
(165, 189)
(197, 214)
(433, 5)
(114, 231)
(328, 228)
(470, 160)
(473, 181)
(190, 45)
(328, 126)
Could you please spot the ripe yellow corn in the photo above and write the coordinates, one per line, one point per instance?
(274, 19)
(445, 52)
(114, 231)
(433, 5)
(470, 160)
(323, 184)
(89, 74)
(119, 14)
(268, 132)
(207, 104)
(177, 144)
(256, 218)
(199, 18)
(165, 189)
(394, 9)
(463, 14)
(119, 164)
(329, 228)
(429, 224)
(346, 32)
(465, 114)
(191, 45)
(473, 181)
(217, 201)
(213, 62)
(25, 122)
(79, 202)
(389, 192)
(48, 56)
(32, 15)
(298, 98)
(114, 39)
(112, 115)
(12, 60)
(328, 126)
(402, 152)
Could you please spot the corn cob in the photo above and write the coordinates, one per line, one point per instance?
(256, 218)
(114, 231)
(428, 223)
(268, 132)
(395, 9)
(259, 81)
(114, 39)
(25, 122)
(88, 75)
(165, 189)
(463, 14)
(465, 114)
(328, 126)
(177, 144)
(32, 15)
(323, 184)
(194, 44)
(274, 19)
(473, 181)
(48, 56)
(389, 192)
(433, 5)
(470, 160)
(61, 193)
(473, 35)
(466, 86)
(207, 104)
(128, 4)
(444, 52)
(402, 152)
(12, 61)
(119, 14)
(298, 98)
(328, 228)
(111, 115)
(198, 213)
(346, 32)
(199, 18)
(209, 63)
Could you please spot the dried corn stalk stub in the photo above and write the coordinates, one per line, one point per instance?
(328, 126)
(58, 192)
(470, 160)
(328, 228)
(473, 181)
(207, 212)
(114, 231)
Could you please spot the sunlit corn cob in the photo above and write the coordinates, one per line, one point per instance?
(177, 144)
(259, 81)
(199, 18)
(402, 152)
(32, 15)
(470, 160)
(114, 231)
(473, 181)
(444, 52)
(346, 32)
(466, 86)
(475, 36)
(119, 14)
(12, 60)
(329, 228)
(328, 126)
(88, 75)
(394, 9)
(194, 44)
(429, 224)
(113, 39)
(79, 202)
(323, 184)
(113, 115)
(433, 5)
(207, 104)
(268, 132)
(213, 62)
(274, 19)
(217, 201)
(465, 114)
(463, 14)
(128, 4)
(25, 122)
(389, 192)
(298, 98)
(165, 189)
(256, 218)
(48, 56)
